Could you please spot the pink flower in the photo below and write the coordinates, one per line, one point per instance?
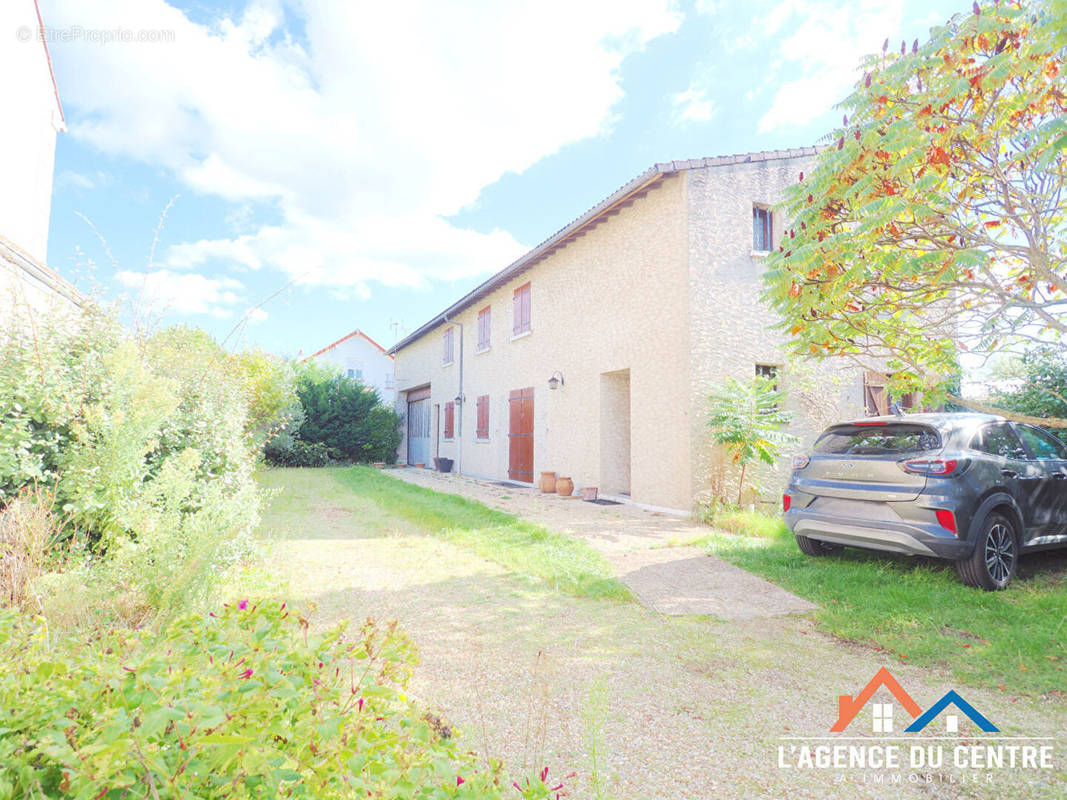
(243, 605)
(459, 781)
(246, 674)
(360, 703)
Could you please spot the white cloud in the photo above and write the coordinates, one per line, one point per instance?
(693, 105)
(184, 292)
(392, 116)
(822, 53)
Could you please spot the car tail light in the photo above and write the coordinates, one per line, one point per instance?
(870, 423)
(936, 467)
(799, 462)
(947, 520)
(786, 502)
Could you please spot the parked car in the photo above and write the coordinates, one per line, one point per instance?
(975, 489)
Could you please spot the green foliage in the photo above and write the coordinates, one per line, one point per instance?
(1043, 390)
(294, 452)
(270, 384)
(143, 443)
(245, 703)
(937, 210)
(746, 420)
(346, 416)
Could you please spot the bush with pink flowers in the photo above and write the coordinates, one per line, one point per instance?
(243, 702)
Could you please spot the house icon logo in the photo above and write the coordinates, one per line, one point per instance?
(849, 707)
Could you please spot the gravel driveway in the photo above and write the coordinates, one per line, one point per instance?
(640, 704)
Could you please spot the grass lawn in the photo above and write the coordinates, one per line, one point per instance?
(525, 549)
(917, 609)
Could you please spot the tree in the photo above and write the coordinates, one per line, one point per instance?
(1042, 389)
(935, 221)
(746, 420)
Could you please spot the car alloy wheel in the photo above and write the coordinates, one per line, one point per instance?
(1000, 553)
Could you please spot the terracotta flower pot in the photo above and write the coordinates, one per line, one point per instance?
(564, 486)
(548, 482)
(589, 493)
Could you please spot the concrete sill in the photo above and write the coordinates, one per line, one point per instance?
(483, 350)
(481, 441)
(447, 364)
(522, 335)
(760, 253)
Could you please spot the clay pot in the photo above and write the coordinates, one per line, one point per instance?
(564, 486)
(420, 465)
(589, 493)
(548, 482)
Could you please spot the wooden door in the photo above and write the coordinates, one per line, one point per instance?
(520, 435)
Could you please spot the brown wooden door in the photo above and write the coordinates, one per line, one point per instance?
(520, 435)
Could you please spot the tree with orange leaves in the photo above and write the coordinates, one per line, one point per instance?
(935, 221)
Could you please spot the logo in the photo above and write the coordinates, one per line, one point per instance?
(948, 741)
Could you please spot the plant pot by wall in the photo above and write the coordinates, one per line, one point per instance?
(548, 482)
(564, 486)
(589, 493)
(444, 464)
(420, 465)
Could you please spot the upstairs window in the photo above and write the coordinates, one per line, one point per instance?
(449, 344)
(521, 309)
(483, 329)
(762, 229)
(450, 420)
(483, 417)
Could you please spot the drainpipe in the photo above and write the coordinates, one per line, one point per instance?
(462, 401)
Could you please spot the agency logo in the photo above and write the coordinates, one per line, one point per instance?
(848, 707)
(950, 740)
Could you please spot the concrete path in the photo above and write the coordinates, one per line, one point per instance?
(669, 580)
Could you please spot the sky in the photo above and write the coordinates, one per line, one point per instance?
(282, 172)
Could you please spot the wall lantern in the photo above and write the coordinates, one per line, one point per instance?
(556, 380)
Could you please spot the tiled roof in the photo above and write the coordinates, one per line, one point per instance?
(356, 332)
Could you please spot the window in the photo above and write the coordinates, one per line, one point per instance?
(1044, 446)
(762, 233)
(483, 329)
(878, 440)
(521, 309)
(483, 417)
(449, 342)
(883, 717)
(351, 373)
(876, 400)
(770, 372)
(450, 420)
(998, 440)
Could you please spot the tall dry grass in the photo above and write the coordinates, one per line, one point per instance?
(29, 530)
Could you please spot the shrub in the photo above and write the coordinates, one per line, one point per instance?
(143, 440)
(297, 453)
(244, 703)
(346, 416)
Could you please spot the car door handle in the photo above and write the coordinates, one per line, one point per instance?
(1008, 473)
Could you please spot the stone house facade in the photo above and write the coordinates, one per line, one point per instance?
(594, 354)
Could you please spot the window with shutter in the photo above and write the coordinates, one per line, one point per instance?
(521, 310)
(483, 329)
(449, 341)
(762, 234)
(450, 420)
(483, 417)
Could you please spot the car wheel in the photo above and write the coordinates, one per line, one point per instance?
(813, 547)
(996, 554)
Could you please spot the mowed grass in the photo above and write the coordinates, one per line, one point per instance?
(525, 549)
(918, 611)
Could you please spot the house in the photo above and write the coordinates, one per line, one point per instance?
(32, 118)
(951, 698)
(882, 713)
(360, 357)
(593, 355)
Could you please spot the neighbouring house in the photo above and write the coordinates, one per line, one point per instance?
(32, 118)
(593, 355)
(360, 357)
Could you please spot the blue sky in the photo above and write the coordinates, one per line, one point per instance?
(373, 161)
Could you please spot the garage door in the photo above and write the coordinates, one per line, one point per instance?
(419, 427)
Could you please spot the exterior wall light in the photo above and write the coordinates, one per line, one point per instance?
(556, 380)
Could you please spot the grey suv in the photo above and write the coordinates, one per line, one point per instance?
(972, 488)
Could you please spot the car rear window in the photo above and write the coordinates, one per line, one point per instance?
(876, 440)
